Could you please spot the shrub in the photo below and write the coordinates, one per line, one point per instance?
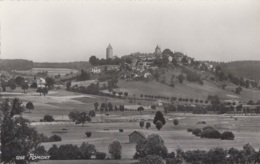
(201, 122)
(151, 159)
(210, 133)
(208, 127)
(189, 130)
(153, 106)
(175, 122)
(48, 118)
(159, 125)
(100, 155)
(54, 138)
(121, 130)
(148, 125)
(227, 135)
(88, 134)
(196, 132)
(141, 124)
(115, 150)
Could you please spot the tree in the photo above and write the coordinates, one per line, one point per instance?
(19, 80)
(126, 94)
(180, 78)
(92, 113)
(93, 60)
(115, 149)
(140, 109)
(159, 117)
(17, 136)
(11, 84)
(24, 86)
(29, 106)
(39, 90)
(83, 76)
(249, 152)
(148, 125)
(96, 106)
(158, 125)
(68, 84)
(152, 145)
(175, 122)
(34, 85)
(151, 159)
(73, 115)
(110, 106)
(44, 91)
(82, 118)
(87, 150)
(141, 124)
(48, 118)
(49, 82)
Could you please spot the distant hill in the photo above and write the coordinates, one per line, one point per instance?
(247, 69)
(71, 65)
(15, 64)
(22, 64)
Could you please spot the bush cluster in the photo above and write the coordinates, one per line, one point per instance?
(210, 133)
(88, 134)
(48, 118)
(196, 132)
(227, 135)
(54, 138)
(100, 155)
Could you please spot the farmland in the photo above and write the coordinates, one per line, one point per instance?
(51, 71)
(105, 128)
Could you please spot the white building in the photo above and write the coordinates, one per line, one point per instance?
(95, 70)
(41, 83)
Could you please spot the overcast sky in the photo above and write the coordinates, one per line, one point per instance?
(54, 31)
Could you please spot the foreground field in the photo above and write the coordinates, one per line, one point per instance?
(245, 129)
(59, 103)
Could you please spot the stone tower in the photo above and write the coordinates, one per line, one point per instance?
(157, 50)
(109, 52)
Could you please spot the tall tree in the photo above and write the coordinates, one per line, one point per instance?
(49, 82)
(29, 106)
(159, 117)
(24, 86)
(93, 60)
(17, 137)
(11, 84)
(115, 149)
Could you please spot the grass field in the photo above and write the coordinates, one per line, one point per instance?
(60, 102)
(187, 90)
(51, 71)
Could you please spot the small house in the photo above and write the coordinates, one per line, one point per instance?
(136, 136)
(95, 70)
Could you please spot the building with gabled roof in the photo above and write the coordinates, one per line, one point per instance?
(136, 136)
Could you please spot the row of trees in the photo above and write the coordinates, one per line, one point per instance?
(152, 150)
(20, 81)
(93, 60)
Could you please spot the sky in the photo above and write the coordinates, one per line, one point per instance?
(74, 30)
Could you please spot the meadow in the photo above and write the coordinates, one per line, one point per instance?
(51, 71)
(59, 103)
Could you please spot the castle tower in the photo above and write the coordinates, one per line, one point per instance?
(109, 52)
(157, 50)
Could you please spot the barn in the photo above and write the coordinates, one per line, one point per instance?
(136, 136)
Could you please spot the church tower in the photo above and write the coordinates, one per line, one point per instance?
(109, 52)
(157, 50)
